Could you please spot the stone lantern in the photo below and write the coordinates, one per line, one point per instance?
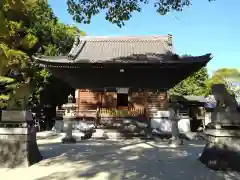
(175, 117)
(68, 117)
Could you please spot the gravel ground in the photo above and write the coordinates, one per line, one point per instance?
(118, 160)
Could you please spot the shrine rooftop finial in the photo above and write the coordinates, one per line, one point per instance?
(74, 51)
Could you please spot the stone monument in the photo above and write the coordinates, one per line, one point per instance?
(18, 146)
(222, 150)
(68, 117)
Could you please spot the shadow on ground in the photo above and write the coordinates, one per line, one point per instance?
(128, 159)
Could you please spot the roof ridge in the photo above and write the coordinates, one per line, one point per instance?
(125, 38)
(155, 40)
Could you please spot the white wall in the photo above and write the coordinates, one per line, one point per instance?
(162, 122)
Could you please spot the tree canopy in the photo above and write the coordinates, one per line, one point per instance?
(220, 76)
(200, 83)
(120, 11)
(193, 85)
(29, 27)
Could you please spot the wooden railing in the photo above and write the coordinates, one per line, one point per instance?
(108, 112)
(113, 112)
(87, 113)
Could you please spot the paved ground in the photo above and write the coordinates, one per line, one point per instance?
(118, 160)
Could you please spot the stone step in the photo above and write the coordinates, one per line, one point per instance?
(111, 134)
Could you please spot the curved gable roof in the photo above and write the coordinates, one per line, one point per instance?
(114, 48)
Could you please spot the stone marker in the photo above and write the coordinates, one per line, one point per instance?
(18, 146)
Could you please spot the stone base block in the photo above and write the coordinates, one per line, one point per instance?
(69, 140)
(148, 136)
(18, 147)
(221, 152)
(175, 142)
(220, 158)
(87, 135)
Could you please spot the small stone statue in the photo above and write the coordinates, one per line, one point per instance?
(226, 109)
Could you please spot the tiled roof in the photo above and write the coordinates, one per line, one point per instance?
(117, 49)
(110, 48)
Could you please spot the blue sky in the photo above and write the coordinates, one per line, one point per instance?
(202, 28)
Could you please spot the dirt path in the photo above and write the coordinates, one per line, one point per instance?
(118, 160)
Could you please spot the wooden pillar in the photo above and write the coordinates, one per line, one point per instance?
(77, 98)
(149, 128)
(146, 112)
(99, 107)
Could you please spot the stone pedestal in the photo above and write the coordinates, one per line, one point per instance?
(175, 140)
(68, 137)
(222, 152)
(18, 146)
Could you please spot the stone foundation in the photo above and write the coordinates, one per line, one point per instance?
(18, 147)
(222, 152)
(69, 140)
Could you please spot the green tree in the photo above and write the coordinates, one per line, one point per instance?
(193, 85)
(13, 60)
(120, 11)
(29, 27)
(219, 77)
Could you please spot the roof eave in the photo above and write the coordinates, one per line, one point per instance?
(177, 60)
